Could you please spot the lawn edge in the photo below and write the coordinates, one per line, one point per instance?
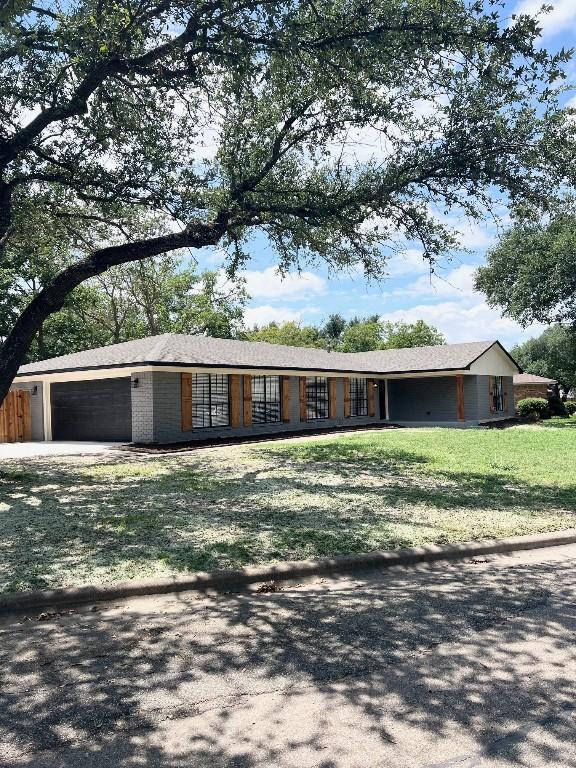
(238, 580)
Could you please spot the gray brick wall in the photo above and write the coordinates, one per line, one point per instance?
(156, 413)
(484, 398)
(143, 408)
(429, 400)
(36, 407)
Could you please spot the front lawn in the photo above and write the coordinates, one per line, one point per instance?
(71, 521)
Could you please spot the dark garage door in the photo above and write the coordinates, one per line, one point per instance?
(92, 410)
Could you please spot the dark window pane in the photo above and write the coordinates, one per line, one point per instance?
(316, 398)
(210, 407)
(266, 399)
(358, 397)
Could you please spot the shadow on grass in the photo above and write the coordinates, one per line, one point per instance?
(324, 677)
(73, 524)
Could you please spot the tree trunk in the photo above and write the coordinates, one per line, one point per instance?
(52, 297)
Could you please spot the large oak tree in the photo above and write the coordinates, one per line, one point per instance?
(215, 117)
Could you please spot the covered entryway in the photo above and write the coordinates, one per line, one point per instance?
(98, 409)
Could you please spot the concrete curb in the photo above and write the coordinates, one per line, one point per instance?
(234, 581)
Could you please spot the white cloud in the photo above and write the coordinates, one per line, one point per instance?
(562, 16)
(466, 320)
(265, 314)
(457, 282)
(269, 284)
(408, 262)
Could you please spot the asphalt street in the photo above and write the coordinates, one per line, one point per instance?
(468, 665)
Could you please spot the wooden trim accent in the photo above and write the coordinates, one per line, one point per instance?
(302, 384)
(247, 398)
(332, 404)
(186, 402)
(371, 392)
(235, 401)
(346, 381)
(460, 397)
(285, 384)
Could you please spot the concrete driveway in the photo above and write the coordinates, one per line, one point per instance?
(469, 665)
(72, 448)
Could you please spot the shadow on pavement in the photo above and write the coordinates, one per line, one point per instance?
(456, 668)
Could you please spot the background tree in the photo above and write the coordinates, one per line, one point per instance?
(290, 333)
(531, 273)
(419, 334)
(552, 354)
(104, 105)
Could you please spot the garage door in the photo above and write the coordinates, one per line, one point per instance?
(92, 410)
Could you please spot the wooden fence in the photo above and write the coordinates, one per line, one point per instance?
(15, 418)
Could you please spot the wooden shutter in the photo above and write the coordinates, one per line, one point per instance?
(302, 398)
(460, 397)
(247, 397)
(186, 401)
(332, 404)
(346, 381)
(235, 401)
(371, 387)
(285, 382)
(491, 394)
(505, 385)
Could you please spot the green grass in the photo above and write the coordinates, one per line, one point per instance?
(72, 521)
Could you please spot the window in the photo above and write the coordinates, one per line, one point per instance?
(265, 399)
(358, 397)
(316, 397)
(497, 393)
(210, 406)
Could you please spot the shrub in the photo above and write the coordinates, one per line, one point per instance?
(556, 406)
(534, 406)
(570, 407)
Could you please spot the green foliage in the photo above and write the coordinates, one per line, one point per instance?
(552, 354)
(533, 406)
(531, 272)
(419, 334)
(289, 333)
(556, 406)
(356, 335)
(570, 407)
(290, 85)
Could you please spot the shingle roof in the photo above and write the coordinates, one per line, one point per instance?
(531, 378)
(204, 351)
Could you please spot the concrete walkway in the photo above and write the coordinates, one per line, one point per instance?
(55, 448)
(471, 665)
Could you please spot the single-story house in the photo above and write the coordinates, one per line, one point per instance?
(529, 385)
(173, 387)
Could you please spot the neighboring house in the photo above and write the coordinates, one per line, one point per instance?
(529, 385)
(173, 388)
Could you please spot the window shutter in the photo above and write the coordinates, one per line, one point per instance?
(505, 385)
(186, 401)
(285, 398)
(346, 381)
(235, 403)
(247, 394)
(371, 387)
(491, 393)
(332, 398)
(302, 398)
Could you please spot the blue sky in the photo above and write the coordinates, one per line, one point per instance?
(407, 293)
